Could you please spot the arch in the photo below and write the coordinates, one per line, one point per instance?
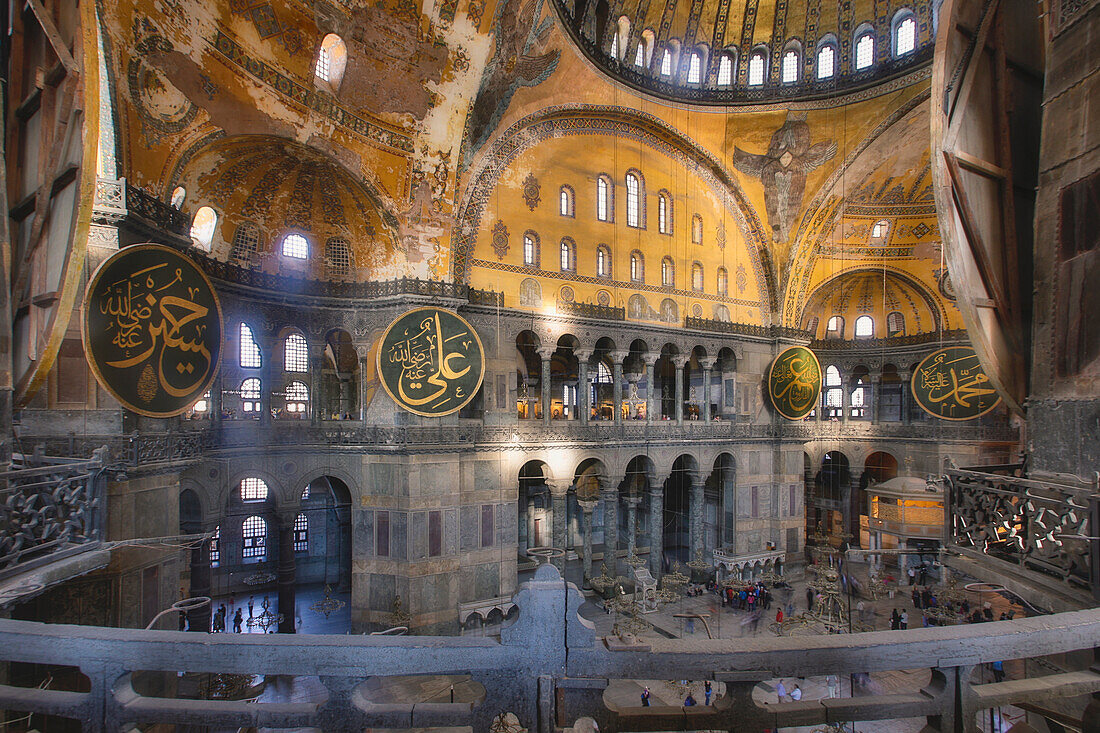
(863, 47)
(727, 67)
(338, 257)
(254, 538)
(832, 393)
(603, 261)
(723, 281)
(295, 353)
(664, 212)
(622, 37)
(825, 63)
(637, 266)
(248, 351)
(670, 312)
(895, 324)
(697, 276)
(203, 227)
(834, 328)
(829, 287)
(567, 199)
(246, 245)
(250, 391)
(758, 66)
(296, 395)
(343, 484)
(295, 245)
(179, 195)
(879, 230)
(904, 33)
(567, 255)
(880, 466)
(605, 198)
(641, 127)
(190, 511)
(864, 328)
(332, 58)
(635, 199)
(694, 74)
(696, 229)
(253, 489)
(532, 254)
(791, 64)
(637, 307)
(668, 272)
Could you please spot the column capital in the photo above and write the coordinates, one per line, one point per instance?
(545, 352)
(558, 486)
(583, 354)
(680, 360)
(588, 505)
(618, 355)
(633, 500)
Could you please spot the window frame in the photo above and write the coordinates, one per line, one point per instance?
(603, 268)
(637, 266)
(254, 544)
(635, 201)
(902, 16)
(248, 353)
(532, 237)
(301, 533)
(864, 34)
(295, 354)
(334, 65)
(203, 238)
(826, 43)
(722, 281)
(759, 54)
(730, 58)
(605, 198)
(286, 244)
(567, 255)
(567, 199)
(861, 320)
(784, 67)
(668, 272)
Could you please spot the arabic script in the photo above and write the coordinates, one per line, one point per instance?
(951, 383)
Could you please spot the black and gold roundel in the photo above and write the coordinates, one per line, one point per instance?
(794, 382)
(152, 329)
(951, 384)
(431, 362)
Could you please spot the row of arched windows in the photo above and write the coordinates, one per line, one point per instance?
(690, 65)
(864, 326)
(567, 261)
(635, 205)
(254, 528)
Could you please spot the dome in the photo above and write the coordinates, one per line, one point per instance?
(896, 304)
(724, 54)
(265, 191)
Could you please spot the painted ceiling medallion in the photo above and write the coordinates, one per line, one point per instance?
(794, 382)
(500, 239)
(531, 191)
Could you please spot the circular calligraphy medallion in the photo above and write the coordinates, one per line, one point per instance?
(794, 382)
(951, 384)
(431, 362)
(152, 329)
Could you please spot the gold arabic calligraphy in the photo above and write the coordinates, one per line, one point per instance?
(430, 363)
(155, 309)
(948, 380)
(801, 375)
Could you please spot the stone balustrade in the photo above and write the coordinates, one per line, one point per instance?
(548, 668)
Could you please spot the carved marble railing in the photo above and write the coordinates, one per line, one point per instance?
(1047, 524)
(548, 665)
(744, 329)
(143, 449)
(889, 342)
(49, 511)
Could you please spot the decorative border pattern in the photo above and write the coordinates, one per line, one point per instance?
(558, 122)
(325, 105)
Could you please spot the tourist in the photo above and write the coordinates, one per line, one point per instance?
(912, 576)
(998, 671)
(904, 620)
(809, 599)
(796, 693)
(237, 619)
(706, 692)
(832, 684)
(251, 600)
(645, 697)
(780, 691)
(779, 616)
(689, 701)
(895, 620)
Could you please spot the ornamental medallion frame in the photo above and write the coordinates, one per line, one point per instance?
(784, 358)
(926, 369)
(94, 336)
(390, 372)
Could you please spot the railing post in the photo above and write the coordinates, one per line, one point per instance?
(1094, 545)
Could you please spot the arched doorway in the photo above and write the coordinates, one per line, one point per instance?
(677, 510)
(535, 510)
(833, 486)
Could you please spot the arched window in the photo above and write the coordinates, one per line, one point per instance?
(603, 261)
(297, 397)
(246, 244)
(301, 533)
(865, 327)
(664, 212)
(254, 538)
(178, 195)
(639, 55)
(216, 547)
(253, 489)
(790, 67)
(895, 324)
(337, 257)
(250, 395)
(723, 281)
(202, 405)
(637, 267)
(568, 255)
(865, 50)
(697, 277)
(696, 229)
(331, 60)
(296, 246)
(621, 37)
(826, 61)
(859, 397)
(725, 70)
(603, 373)
(565, 201)
(668, 273)
(905, 36)
(834, 397)
(666, 62)
(249, 351)
(604, 198)
(530, 249)
(834, 329)
(878, 231)
(202, 227)
(295, 354)
(615, 46)
(634, 196)
(757, 64)
(695, 68)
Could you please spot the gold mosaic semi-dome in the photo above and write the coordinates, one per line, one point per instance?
(264, 190)
(610, 35)
(897, 305)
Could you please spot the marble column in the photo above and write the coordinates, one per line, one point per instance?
(545, 355)
(704, 410)
(316, 370)
(632, 502)
(875, 390)
(845, 400)
(681, 363)
(199, 619)
(587, 507)
(286, 572)
(610, 499)
(559, 490)
(215, 404)
(617, 385)
(656, 527)
(695, 513)
(584, 389)
(650, 392)
(364, 363)
(905, 397)
(267, 383)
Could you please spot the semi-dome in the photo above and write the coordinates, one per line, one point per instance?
(712, 52)
(869, 303)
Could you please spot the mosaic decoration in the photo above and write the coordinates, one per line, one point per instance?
(567, 294)
(152, 330)
(299, 210)
(307, 97)
(720, 235)
(500, 240)
(794, 382)
(431, 362)
(603, 298)
(163, 109)
(531, 191)
(943, 281)
(697, 310)
(951, 384)
(782, 170)
(742, 279)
